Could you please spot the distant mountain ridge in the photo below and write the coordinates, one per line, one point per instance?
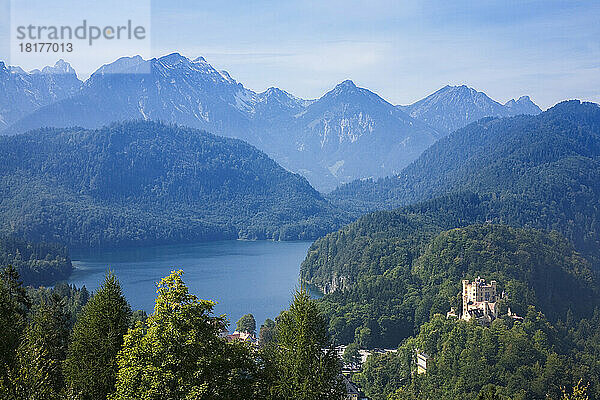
(21, 93)
(493, 154)
(349, 133)
(454, 107)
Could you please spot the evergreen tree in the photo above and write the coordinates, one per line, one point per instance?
(579, 392)
(91, 367)
(267, 332)
(179, 354)
(352, 354)
(246, 324)
(14, 306)
(41, 353)
(307, 363)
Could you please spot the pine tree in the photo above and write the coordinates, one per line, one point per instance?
(352, 354)
(91, 367)
(307, 363)
(267, 332)
(41, 353)
(14, 306)
(246, 324)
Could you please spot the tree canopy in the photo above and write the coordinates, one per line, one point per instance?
(178, 353)
(91, 366)
(247, 324)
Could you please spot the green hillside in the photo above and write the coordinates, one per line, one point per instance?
(36, 263)
(531, 359)
(533, 172)
(408, 278)
(145, 182)
(550, 162)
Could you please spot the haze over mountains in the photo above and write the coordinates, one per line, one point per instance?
(349, 133)
(22, 92)
(453, 107)
(145, 182)
(502, 155)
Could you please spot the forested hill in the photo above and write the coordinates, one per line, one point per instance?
(145, 182)
(525, 155)
(408, 274)
(36, 263)
(534, 171)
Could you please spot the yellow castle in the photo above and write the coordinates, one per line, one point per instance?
(479, 300)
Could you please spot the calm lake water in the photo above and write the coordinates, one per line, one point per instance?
(242, 276)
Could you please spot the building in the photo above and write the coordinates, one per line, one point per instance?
(479, 300)
(240, 336)
(364, 354)
(353, 391)
(422, 361)
(514, 316)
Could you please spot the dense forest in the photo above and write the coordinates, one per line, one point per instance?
(146, 182)
(538, 157)
(36, 263)
(402, 280)
(531, 359)
(62, 343)
(542, 278)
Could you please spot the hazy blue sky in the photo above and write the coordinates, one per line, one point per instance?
(403, 50)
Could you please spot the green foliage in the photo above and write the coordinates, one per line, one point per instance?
(386, 373)
(179, 354)
(470, 361)
(411, 277)
(36, 263)
(550, 158)
(266, 335)
(530, 360)
(491, 392)
(14, 306)
(307, 365)
(91, 367)
(351, 354)
(247, 324)
(175, 353)
(38, 372)
(538, 172)
(579, 392)
(138, 316)
(147, 182)
(72, 298)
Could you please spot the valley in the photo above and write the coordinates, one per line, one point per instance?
(323, 139)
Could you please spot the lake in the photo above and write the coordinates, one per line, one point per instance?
(257, 277)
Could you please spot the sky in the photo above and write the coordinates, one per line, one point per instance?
(402, 50)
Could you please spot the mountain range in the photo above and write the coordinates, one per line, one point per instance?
(453, 107)
(499, 155)
(24, 92)
(349, 133)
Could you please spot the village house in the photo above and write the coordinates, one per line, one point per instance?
(353, 390)
(239, 336)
